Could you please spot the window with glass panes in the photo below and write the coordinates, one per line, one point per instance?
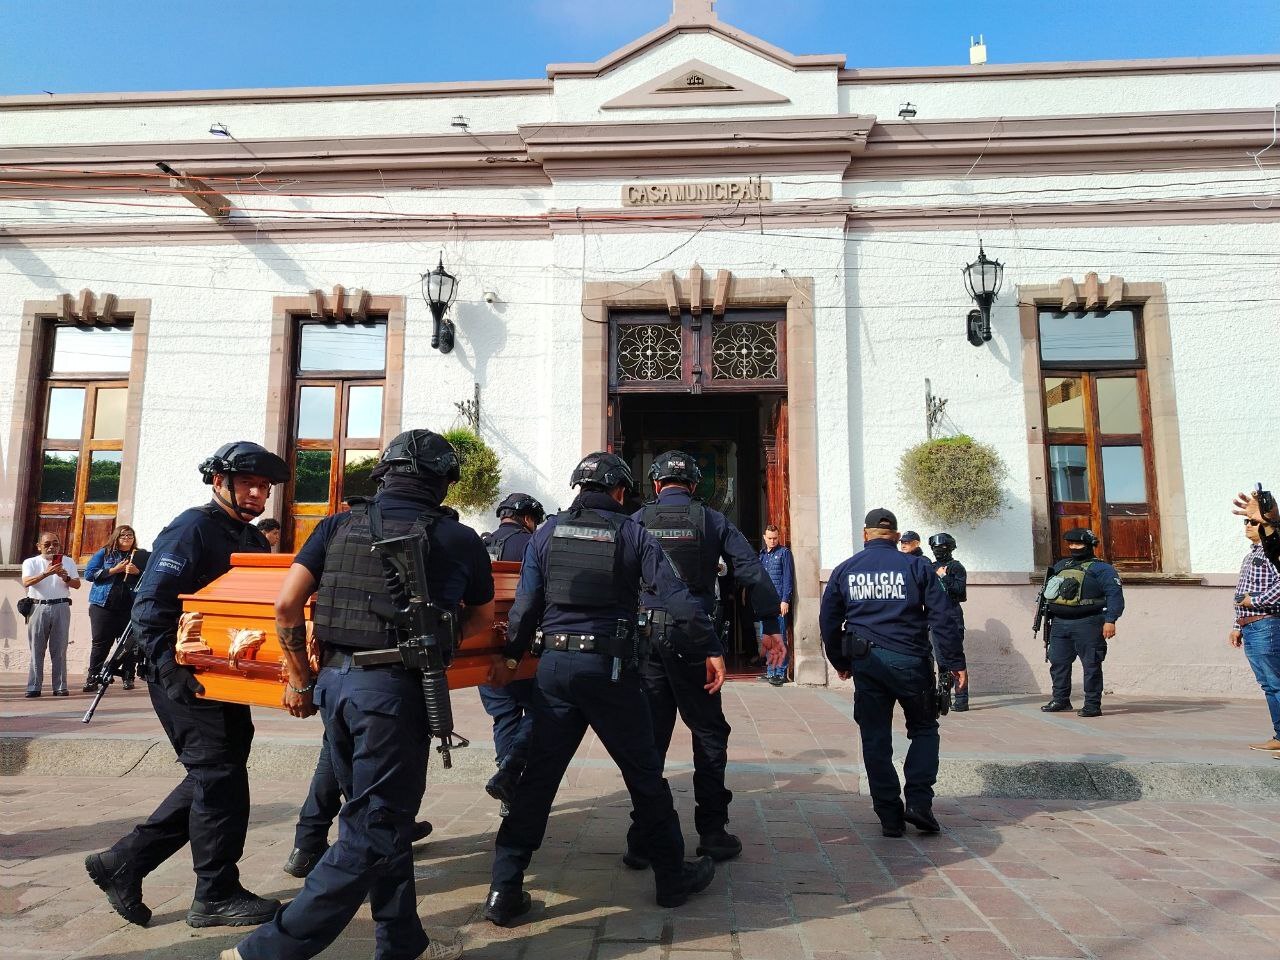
(339, 375)
(86, 388)
(1098, 433)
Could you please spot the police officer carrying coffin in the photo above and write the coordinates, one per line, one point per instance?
(580, 584)
(1083, 599)
(955, 580)
(878, 612)
(209, 809)
(510, 706)
(695, 537)
(374, 708)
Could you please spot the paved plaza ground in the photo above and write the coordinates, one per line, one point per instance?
(1143, 870)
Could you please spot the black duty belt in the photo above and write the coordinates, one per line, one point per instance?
(609, 646)
(59, 600)
(338, 657)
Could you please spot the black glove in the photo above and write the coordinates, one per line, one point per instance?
(180, 684)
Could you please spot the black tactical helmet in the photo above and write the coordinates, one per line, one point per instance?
(420, 453)
(1081, 535)
(521, 504)
(944, 541)
(603, 471)
(241, 456)
(675, 466)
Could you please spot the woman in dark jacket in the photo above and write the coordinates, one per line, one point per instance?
(114, 572)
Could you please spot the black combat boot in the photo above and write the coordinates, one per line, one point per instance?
(1090, 710)
(122, 887)
(302, 862)
(719, 846)
(243, 909)
(502, 908)
(695, 877)
(1056, 706)
(922, 820)
(502, 785)
(421, 830)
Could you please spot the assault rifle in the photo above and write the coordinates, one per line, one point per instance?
(1042, 613)
(426, 635)
(123, 660)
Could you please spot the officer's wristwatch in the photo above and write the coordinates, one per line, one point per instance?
(511, 663)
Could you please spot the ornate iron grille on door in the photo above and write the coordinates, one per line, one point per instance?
(654, 352)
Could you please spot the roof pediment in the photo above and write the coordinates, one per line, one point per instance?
(692, 16)
(695, 83)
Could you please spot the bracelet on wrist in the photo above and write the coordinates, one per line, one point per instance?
(300, 691)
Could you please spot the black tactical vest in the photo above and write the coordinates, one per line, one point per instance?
(496, 541)
(582, 562)
(1069, 592)
(680, 527)
(353, 572)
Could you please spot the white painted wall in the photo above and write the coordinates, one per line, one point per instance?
(907, 308)
(1065, 96)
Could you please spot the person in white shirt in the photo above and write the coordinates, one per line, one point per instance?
(49, 578)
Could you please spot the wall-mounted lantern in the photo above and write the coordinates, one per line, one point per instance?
(983, 278)
(439, 287)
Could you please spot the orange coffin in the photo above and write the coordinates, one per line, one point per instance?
(228, 633)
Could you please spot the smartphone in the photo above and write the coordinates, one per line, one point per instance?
(1266, 502)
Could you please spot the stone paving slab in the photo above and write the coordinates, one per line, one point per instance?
(1007, 879)
(789, 738)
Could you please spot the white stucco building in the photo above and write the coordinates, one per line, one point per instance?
(699, 240)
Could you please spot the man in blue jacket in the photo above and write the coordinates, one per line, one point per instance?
(878, 611)
(781, 568)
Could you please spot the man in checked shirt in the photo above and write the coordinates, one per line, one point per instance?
(1257, 627)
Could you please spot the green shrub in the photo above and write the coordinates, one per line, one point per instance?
(954, 480)
(477, 490)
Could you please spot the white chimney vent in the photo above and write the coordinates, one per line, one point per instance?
(977, 51)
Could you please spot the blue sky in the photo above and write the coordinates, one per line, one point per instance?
(67, 46)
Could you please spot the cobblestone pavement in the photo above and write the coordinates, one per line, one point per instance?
(1007, 878)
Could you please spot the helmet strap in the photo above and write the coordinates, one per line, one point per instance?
(238, 511)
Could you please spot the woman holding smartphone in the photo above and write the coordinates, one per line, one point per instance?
(114, 572)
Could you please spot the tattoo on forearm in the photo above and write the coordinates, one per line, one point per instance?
(293, 639)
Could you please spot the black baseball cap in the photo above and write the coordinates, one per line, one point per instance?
(909, 536)
(882, 519)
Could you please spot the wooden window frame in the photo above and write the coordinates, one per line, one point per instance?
(1149, 301)
(20, 488)
(289, 314)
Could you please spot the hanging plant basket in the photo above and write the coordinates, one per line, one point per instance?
(477, 489)
(954, 480)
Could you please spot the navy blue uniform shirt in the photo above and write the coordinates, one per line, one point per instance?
(955, 583)
(892, 599)
(641, 560)
(458, 568)
(722, 539)
(1100, 580)
(191, 552)
(513, 544)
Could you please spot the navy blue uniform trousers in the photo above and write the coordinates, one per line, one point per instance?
(324, 800)
(881, 679)
(1069, 639)
(675, 686)
(210, 807)
(575, 692)
(511, 709)
(375, 722)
